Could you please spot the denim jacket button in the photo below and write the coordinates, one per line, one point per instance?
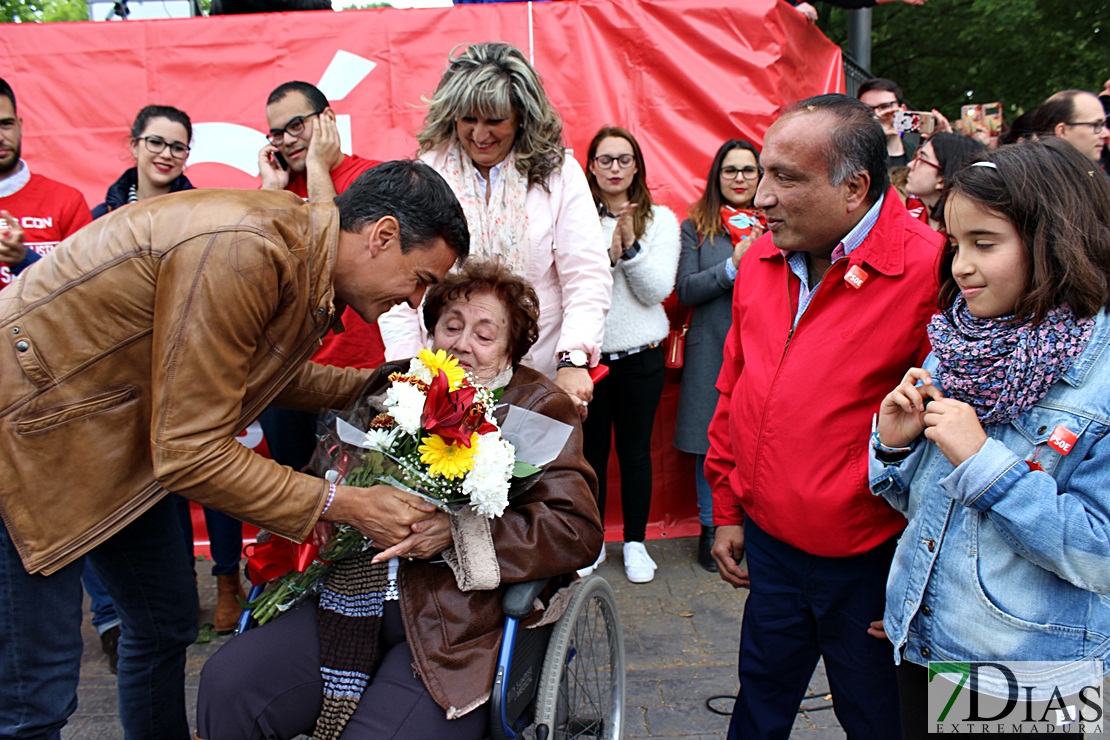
(926, 652)
(1042, 430)
(931, 545)
(926, 611)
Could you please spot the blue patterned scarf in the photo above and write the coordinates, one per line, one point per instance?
(1001, 368)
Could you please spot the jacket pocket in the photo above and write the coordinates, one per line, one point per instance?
(54, 417)
(1036, 428)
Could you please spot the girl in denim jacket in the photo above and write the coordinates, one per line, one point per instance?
(997, 450)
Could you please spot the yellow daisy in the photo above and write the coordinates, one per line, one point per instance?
(447, 460)
(436, 361)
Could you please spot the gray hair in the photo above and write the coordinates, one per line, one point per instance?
(494, 80)
(856, 141)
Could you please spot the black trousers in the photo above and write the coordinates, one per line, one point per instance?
(624, 404)
(266, 683)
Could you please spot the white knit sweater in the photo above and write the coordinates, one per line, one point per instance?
(636, 316)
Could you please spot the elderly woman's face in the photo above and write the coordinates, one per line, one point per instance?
(487, 140)
(476, 331)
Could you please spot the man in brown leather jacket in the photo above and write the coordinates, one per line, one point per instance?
(136, 352)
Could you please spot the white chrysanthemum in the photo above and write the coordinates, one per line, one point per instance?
(487, 485)
(380, 439)
(420, 370)
(406, 405)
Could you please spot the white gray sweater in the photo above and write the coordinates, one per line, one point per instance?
(636, 316)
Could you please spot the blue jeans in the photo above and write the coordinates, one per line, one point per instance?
(153, 588)
(104, 615)
(225, 537)
(705, 492)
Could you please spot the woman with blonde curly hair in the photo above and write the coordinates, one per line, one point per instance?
(494, 136)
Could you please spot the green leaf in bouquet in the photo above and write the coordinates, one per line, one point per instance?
(522, 469)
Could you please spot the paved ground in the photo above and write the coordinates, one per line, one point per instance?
(681, 634)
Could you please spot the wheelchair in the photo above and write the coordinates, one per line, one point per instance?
(559, 681)
(564, 680)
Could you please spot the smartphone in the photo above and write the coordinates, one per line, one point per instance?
(972, 117)
(992, 118)
(919, 121)
(279, 160)
(597, 372)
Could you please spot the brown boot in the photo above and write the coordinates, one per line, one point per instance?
(229, 598)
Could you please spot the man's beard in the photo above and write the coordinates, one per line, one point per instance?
(9, 167)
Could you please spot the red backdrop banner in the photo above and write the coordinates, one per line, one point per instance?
(682, 75)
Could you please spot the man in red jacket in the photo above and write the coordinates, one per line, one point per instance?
(829, 311)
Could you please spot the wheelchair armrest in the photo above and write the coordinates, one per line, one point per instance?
(519, 597)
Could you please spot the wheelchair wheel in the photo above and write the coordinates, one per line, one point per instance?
(581, 692)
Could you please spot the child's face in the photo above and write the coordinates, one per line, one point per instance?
(991, 265)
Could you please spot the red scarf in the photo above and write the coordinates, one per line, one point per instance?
(739, 221)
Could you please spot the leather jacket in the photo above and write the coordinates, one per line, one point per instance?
(142, 345)
(549, 530)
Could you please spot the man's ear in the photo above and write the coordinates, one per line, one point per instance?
(857, 186)
(1060, 129)
(384, 233)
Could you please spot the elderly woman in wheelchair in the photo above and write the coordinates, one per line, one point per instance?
(429, 646)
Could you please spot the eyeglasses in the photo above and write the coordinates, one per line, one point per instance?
(624, 161)
(884, 107)
(918, 159)
(749, 172)
(1097, 127)
(155, 145)
(294, 128)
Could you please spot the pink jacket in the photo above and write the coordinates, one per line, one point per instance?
(789, 440)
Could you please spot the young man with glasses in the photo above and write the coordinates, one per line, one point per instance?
(884, 98)
(35, 212)
(298, 114)
(1077, 117)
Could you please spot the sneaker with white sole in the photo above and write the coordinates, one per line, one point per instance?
(638, 565)
(591, 568)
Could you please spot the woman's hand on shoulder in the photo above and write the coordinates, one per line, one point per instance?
(901, 414)
(954, 427)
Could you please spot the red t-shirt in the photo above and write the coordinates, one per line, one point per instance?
(48, 212)
(359, 344)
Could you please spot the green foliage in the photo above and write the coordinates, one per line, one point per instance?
(953, 52)
(360, 6)
(34, 11)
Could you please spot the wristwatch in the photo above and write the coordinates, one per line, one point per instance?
(574, 358)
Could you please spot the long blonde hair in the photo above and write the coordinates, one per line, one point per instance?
(495, 80)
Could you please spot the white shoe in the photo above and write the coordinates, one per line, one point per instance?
(638, 565)
(591, 568)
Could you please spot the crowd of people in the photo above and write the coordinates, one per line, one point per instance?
(946, 295)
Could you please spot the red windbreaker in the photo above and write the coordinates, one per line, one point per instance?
(788, 442)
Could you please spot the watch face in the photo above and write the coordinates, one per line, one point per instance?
(578, 358)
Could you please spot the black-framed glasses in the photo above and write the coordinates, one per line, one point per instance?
(624, 161)
(881, 108)
(1097, 127)
(155, 145)
(294, 128)
(749, 172)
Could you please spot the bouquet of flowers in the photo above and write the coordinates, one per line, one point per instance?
(432, 434)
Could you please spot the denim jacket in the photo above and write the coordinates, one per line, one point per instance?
(1000, 561)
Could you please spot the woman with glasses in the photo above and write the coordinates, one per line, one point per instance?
(493, 135)
(934, 164)
(160, 138)
(722, 224)
(642, 241)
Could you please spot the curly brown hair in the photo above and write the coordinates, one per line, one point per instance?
(522, 306)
